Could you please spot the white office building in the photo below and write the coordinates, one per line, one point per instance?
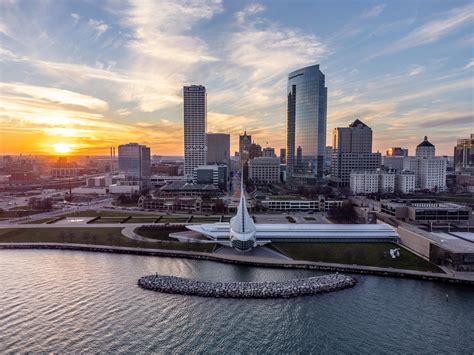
(195, 126)
(406, 182)
(383, 182)
(386, 182)
(364, 182)
(264, 170)
(429, 170)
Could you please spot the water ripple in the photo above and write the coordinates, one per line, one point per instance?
(65, 301)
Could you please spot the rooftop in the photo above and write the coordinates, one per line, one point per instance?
(425, 143)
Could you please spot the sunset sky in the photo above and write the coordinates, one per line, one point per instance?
(87, 75)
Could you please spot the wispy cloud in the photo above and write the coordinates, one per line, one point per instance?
(53, 95)
(416, 70)
(374, 11)
(432, 31)
(97, 25)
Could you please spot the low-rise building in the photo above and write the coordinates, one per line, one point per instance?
(264, 170)
(364, 182)
(386, 182)
(426, 211)
(182, 188)
(406, 182)
(295, 203)
(211, 174)
(382, 181)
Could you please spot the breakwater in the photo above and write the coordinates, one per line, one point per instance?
(267, 289)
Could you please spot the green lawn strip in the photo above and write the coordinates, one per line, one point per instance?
(368, 254)
(41, 220)
(205, 219)
(309, 218)
(93, 213)
(159, 233)
(171, 219)
(93, 236)
(18, 213)
(105, 220)
(141, 220)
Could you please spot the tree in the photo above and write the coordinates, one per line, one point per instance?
(345, 213)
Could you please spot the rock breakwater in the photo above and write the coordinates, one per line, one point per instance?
(267, 289)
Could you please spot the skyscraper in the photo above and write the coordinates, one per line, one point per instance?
(306, 124)
(134, 160)
(352, 151)
(195, 126)
(245, 140)
(218, 148)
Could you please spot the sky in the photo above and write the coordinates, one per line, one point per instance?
(82, 76)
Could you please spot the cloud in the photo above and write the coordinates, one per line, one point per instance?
(53, 95)
(433, 30)
(374, 11)
(467, 120)
(273, 51)
(249, 10)
(76, 17)
(99, 26)
(416, 70)
(470, 64)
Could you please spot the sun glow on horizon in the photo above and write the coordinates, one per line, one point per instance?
(62, 148)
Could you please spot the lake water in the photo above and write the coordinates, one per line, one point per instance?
(67, 301)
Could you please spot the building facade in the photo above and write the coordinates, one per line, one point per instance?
(218, 148)
(397, 152)
(306, 124)
(134, 160)
(195, 126)
(430, 171)
(264, 170)
(211, 174)
(268, 152)
(364, 182)
(464, 154)
(406, 182)
(352, 150)
(245, 140)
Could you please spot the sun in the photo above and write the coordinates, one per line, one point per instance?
(62, 148)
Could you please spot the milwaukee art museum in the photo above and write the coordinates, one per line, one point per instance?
(243, 234)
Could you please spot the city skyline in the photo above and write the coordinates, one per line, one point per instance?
(100, 74)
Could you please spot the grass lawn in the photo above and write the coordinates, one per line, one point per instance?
(15, 213)
(369, 254)
(205, 219)
(41, 220)
(159, 233)
(94, 236)
(173, 219)
(141, 220)
(105, 220)
(112, 213)
(309, 218)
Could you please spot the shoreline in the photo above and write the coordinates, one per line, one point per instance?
(242, 260)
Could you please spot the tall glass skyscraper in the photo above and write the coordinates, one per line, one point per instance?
(306, 124)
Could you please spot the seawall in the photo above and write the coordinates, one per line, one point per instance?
(358, 269)
(267, 289)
